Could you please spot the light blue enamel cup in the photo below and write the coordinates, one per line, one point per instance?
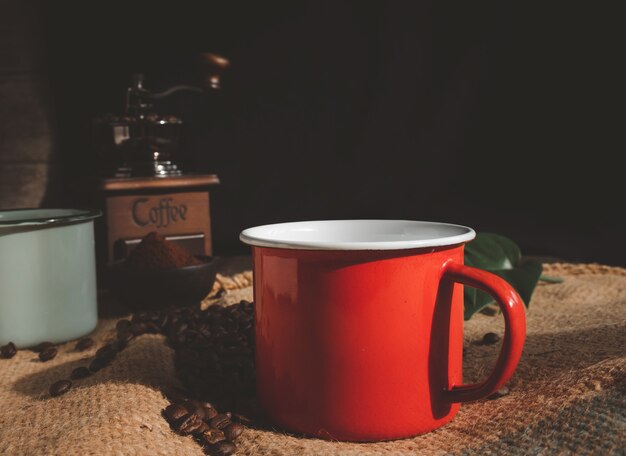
(47, 275)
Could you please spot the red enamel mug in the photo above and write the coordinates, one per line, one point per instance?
(359, 326)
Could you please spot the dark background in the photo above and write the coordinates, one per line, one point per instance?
(478, 113)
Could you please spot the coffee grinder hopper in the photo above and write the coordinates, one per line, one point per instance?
(142, 142)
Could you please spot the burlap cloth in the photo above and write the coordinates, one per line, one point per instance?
(567, 395)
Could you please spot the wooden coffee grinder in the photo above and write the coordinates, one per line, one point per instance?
(144, 189)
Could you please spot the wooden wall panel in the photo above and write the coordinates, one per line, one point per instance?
(26, 139)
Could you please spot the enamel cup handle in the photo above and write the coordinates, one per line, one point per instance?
(512, 308)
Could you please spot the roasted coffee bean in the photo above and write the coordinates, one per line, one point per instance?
(194, 407)
(174, 412)
(220, 421)
(172, 319)
(181, 327)
(153, 315)
(490, 338)
(215, 355)
(42, 346)
(138, 328)
(213, 435)
(99, 363)
(178, 340)
(84, 344)
(140, 316)
(205, 404)
(152, 328)
(125, 336)
(60, 387)
(209, 412)
(498, 394)
(188, 424)
(213, 310)
(202, 429)
(80, 372)
(122, 325)
(47, 354)
(106, 352)
(223, 448)
(8, 351)
(233, 431)
(162, 321)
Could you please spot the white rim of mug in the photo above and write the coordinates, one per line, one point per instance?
(258, 236)
(62, 216)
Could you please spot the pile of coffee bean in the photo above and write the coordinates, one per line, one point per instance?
(215, 431)
(214, 354)
(214, 357)
(214, 348)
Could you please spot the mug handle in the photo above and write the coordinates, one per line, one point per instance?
(514, 314)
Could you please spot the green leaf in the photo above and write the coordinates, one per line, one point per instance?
(502, 257)
(474, 301)
(551, 279)
(492, 251)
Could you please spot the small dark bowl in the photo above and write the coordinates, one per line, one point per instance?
(144, 289)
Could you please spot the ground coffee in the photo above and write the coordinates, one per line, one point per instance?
(155, 252)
